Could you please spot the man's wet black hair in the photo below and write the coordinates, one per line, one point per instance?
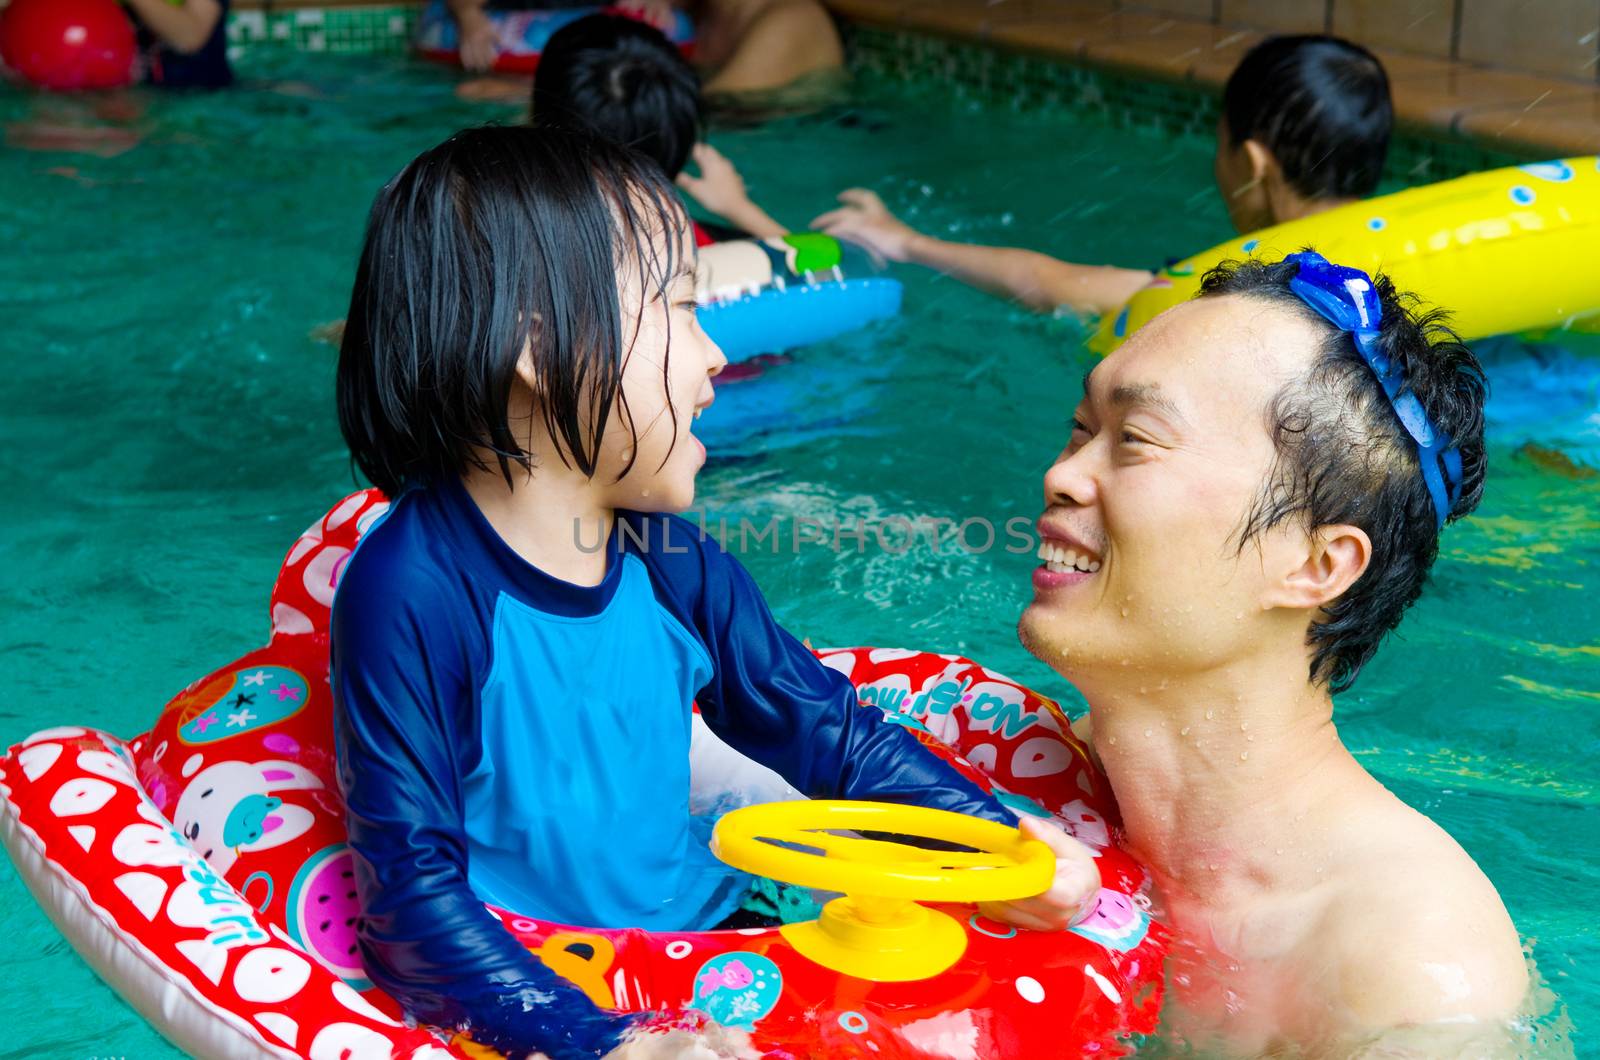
(1343, 456)
(1321, 105)
(625, 81)
(499, 240)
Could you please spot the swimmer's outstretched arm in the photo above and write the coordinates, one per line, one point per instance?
(1036, 280)
(184, 26)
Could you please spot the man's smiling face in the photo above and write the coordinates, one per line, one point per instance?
(1169, 449)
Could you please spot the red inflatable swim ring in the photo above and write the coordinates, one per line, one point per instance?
(520, 36)
(201, 869)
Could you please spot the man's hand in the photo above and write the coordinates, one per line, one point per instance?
(480, 45)
(864, 219)
(1077, 881)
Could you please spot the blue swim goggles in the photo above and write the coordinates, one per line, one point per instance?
(1346, 298)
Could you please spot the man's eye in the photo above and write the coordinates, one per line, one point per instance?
(1129, 438)
(1078, 425)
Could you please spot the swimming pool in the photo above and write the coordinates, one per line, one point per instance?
(167, 428)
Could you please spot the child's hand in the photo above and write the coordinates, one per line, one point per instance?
(864, 219)
(1068, 899)
(719, 187)
(479, 44)
(713, 1042)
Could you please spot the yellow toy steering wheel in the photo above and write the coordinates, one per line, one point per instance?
(877, 931)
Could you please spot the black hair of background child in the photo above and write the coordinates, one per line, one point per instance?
(1321, 105)
(1343, 456)
(496, 241)
(625, 81)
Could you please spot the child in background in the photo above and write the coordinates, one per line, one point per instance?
(183, 44)
(516, 645)
(624, 80)
(1305, 127)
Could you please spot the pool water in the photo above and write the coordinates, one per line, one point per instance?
(167, 428)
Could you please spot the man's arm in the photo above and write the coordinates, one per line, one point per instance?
(183, 27)
(1425, 950)
(1038, 281)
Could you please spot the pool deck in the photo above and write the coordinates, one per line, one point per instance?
(1521, 112)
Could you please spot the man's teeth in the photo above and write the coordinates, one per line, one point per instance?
(1061, 560)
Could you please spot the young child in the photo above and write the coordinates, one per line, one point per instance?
(1305, 127)
(517, 644)
(624, 80)
(184, 44)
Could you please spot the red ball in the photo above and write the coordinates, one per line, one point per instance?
(68, 44)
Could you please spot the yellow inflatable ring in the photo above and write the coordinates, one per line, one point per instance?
(1504, 251)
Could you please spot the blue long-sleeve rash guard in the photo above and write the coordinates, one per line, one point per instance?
(507, 737)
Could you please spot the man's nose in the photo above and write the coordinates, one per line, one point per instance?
(1069, 481)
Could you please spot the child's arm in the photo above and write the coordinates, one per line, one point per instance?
(771, 700)
(425, 937)
(720, 189)
(1036, 280)
(478, 43)
(184, 26)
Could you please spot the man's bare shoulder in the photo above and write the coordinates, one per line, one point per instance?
(1418, 934)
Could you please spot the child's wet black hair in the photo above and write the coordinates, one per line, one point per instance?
(1321, 105)
(499, 240)
(623, 80)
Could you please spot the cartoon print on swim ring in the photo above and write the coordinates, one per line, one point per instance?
(1114, 921)
(737, 989)
(229, 809)
(322, 910)
(255, 697)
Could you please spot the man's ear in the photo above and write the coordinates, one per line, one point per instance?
(1333, 559)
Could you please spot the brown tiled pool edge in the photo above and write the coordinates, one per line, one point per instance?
(1462, 110)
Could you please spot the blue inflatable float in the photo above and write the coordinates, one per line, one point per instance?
(771, 295)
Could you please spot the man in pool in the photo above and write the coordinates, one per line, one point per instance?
(1305, 127)
(1242, 514)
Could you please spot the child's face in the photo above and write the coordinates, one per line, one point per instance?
(666, 383)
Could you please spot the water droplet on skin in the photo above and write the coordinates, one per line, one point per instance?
(1149, 733)
(1113, 741)
(1124, 612)
(1213, 867)
(1124, 662)
(1244, 725)
(1184, 731)
(1239, 617)
(1210, 714)
(1250, 738)
(1244, 756)
(1278, 851)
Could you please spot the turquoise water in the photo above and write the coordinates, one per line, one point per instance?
(167, 428)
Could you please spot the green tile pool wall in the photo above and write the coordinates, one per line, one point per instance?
(972, 73)
(378, 30)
